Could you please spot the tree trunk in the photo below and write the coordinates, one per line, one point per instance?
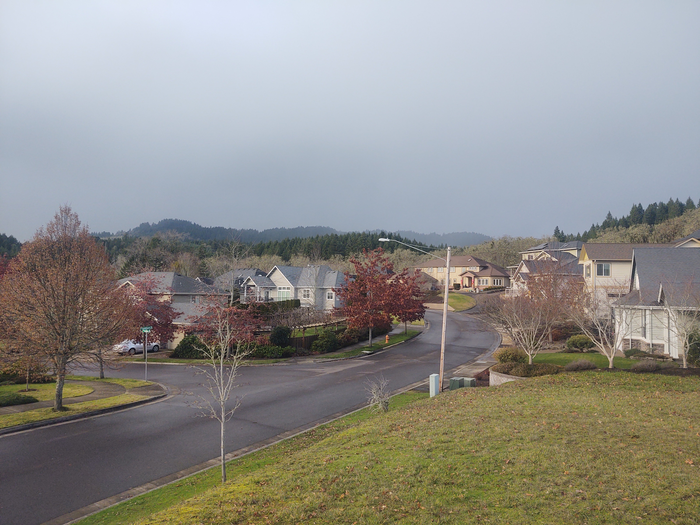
(223, 451)
(529, 357)
(60, 378)
(370, 336)
(102, 364)
(610, 360)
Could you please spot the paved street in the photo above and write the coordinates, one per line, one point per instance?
(50, 472)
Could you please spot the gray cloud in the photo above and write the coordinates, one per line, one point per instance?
(498, 117)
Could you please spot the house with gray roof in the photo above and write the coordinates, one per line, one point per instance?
(314, 286)
(662, 305)
(187, 296)
(551, 249)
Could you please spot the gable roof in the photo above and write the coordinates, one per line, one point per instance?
(171, 283)
(312, 276)
(235, 277)
(455, 260)
(695, 236)
(668, 276)
(613, 251)
(555, 246)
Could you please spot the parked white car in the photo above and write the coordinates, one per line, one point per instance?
(134, 347)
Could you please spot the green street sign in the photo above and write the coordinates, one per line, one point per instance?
(146, 329)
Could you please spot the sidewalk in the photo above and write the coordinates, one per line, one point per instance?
(101, 390)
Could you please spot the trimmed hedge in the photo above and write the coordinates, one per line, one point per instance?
(510, 354)
(526, 370)
(580, 364)
(579, 343)
(189, 348)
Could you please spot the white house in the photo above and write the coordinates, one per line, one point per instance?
(663, 303)
(313, 286)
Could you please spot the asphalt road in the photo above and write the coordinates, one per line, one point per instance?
(50, 472)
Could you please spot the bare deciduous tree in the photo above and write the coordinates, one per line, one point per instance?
(59, 299)
(227, 334)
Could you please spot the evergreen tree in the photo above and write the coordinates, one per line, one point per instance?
(661, 213)
(650, 215)
(636, 214)
(689, 204)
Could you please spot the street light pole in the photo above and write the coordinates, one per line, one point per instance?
(444, 306)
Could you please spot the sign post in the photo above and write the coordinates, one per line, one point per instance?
(145, 331)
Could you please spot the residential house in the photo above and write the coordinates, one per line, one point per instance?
(689, 241)
(313, 286)
(607, 270)
(563, 264)
(233, 280)
(662, 303)
(552, 249)
(186, 296)
(466, 272)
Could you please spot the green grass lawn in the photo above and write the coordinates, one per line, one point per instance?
(46, 391)
(586, 447)
(600, 360)
(458, 301)
(377, 344)
(71, 390)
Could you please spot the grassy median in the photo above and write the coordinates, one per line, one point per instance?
(586, 447)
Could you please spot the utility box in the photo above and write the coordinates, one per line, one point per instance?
(469, 381)
(434, 385)
(456, 382)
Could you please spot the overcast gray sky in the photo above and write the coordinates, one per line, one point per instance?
(500, 117)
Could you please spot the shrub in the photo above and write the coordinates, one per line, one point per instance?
(526, 370)
(272, 351)
(635, 352)
(510, 354)
(280, 335)
(579, 343)
(189, 348)
(327, 342)
(11, 399)
(645, 365)
(349, 337)
(580, 364)
(694, 349)
(17, 373)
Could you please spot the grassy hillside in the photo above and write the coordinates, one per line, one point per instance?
(592, 447)
(667, 231)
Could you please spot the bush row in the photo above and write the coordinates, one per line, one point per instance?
(526, 370)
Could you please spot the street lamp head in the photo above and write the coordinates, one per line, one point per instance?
(384, 239)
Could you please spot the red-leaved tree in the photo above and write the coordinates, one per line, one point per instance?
(368, 299)
(408, 298)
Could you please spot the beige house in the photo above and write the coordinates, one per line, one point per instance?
(607, 270)
(466, 272)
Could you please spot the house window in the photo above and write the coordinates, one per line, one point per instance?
(330, 296)
(440, 269)
(452, 269)
(194, 299)
(498, 282)
(306, 294)
(284, 293)
(602, 269)
(588, 270)
(483, 282)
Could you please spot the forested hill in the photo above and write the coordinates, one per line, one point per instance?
(195, 232)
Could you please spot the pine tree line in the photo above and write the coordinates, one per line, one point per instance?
(654, 213)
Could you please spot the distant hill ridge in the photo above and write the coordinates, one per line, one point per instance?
(219, 233)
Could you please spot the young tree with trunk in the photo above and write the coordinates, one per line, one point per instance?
(227, 333)
(59, 300)
(408, 299)
(367, 299)
(529, 318)
(681, 301)
(593, 315)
